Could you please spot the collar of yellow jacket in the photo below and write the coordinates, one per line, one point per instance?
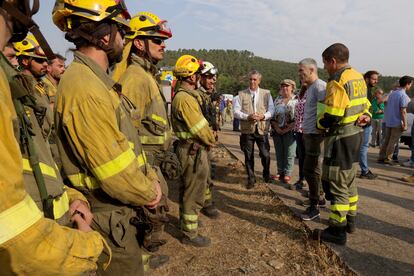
(96, 69)
(144, 63)
(194, 93)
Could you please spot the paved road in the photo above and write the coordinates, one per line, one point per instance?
(384, 241)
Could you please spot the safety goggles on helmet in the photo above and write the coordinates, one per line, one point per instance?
(208, 69)
(147, 24)
(161, 28)
(213, 71)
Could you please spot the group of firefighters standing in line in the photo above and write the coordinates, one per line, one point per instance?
(112, 140)
(81, 181)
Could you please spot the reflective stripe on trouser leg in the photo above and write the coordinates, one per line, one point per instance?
(353, 200)
(192, 188)
(145, 262)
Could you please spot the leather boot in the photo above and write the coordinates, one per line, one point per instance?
(332, 234)
(351, 224)
(210, 211)
(199, 241)
(156, 261)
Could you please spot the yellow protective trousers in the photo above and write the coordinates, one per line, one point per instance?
(339, 171)
(193, 185)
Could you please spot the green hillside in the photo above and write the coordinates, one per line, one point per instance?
(234, 65)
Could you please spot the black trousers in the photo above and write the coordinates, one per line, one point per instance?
(247, 146)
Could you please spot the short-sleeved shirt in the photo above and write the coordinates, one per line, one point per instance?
(315, 93)
(397, 99)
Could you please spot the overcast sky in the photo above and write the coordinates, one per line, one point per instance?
(379, 33)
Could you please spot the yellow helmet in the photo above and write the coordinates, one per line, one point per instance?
(94, 10)
(148, 24)
(29, 47)
(186, 66)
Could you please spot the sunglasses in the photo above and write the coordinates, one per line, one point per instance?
(39, 60)
(157, 40)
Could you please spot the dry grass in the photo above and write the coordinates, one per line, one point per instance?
(256, 234)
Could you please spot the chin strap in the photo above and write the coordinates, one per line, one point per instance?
(27, 21)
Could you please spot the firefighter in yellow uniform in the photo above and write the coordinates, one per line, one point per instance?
(29, 243)
(144, 49)
(345, 112)
(208, 78)
(195, 139)
(43, 183)
(100, 149)
(55, 70)
(33, 64)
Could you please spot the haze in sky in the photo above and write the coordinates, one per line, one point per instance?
(377, 32)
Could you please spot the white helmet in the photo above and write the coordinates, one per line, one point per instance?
(209, 69)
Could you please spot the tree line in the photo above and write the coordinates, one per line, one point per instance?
(235, 65)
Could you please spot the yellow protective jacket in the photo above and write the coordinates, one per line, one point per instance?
(62, 196)
(51, 89)
(98, 144)
(140, 86)
(39, 91)
(345, 101)
(29, 243)
(187, 119)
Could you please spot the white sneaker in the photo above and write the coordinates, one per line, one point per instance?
(408, 164)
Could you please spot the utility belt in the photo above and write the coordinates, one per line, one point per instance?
(343, 130)
(194, 149)
(193, 146)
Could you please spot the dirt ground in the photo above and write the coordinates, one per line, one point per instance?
(256, 234)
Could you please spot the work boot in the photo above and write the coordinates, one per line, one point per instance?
(351, 224)
(250, 184)
(332, 234)
(199, 241)
(210, 211)
(311, 213)
(155, 245)
(156, 261)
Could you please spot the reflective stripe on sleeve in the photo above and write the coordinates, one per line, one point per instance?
(159, 119)
(60, 205)
(115, 166)
(81, 180)
(335, 111)
(45, 169)
(184, 135)
(197, 127)
(18, 218)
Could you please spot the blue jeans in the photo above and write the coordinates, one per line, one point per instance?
(285, 146)
(363, 152)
